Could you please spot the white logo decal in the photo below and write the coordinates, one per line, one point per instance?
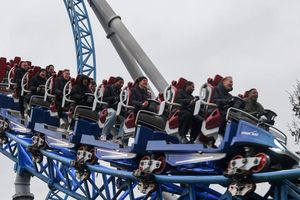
(252, 133)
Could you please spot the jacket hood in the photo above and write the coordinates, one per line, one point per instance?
(81, 78)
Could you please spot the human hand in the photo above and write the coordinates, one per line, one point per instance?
(145, 104)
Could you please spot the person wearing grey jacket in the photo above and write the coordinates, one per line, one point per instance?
(252, 106)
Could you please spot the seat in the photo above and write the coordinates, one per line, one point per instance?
(125, 106)
(67, 91)
(170, 94)
(27, 77)
(98, 94)
(208, 110)
(2, 68)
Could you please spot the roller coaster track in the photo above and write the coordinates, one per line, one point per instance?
(108, 183)
(83, 37)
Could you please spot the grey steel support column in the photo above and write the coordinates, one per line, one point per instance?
(22, 187)
(114, 22)
(128, 60)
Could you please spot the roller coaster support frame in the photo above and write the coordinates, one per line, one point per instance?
(116, 26)
(57, 172)
(83, 37)
(128, 60)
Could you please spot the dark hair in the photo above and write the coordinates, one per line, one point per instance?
(226, 78)
(119, 78)
(43, 70)
(47, 68)
(66, 70)
(92, 81)
(138, 80)
(251, 90)
(188, 83)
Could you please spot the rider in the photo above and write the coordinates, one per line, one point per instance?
(92, 86)
(78, 92)
(37, 82)
(60, 83)
(252, 106)
(20, 72)
(186, 117)
(49, 71)
(138, 99)
(140, 94)
(222, 98)
(112, 97)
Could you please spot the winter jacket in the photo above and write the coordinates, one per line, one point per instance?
(111, 96)
(138, 97)
(19, 73)
(35, 82)
(79, 90)
(184, 99)
(59, 85)
(221, 96)
(253, 107)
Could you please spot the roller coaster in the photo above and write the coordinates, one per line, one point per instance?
(153, 164)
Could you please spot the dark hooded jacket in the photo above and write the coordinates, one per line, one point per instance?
(112, 96)
(79, 90)
(253, 107)
(184, 99)
(59, 85)
(35, 82)
(221, 96)
(138, 97)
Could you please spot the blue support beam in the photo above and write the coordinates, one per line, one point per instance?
(83, 37)
(60, 176)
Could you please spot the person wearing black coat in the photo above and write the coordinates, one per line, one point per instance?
(78, 92)
(138, 99)
(112, 92)
(140, 94)
(186, 117)
(37, 83)
(111, 96)
(59, 85)
(49, 71)
(19, 73)
(222, 98)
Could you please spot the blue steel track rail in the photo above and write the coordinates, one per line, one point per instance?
(56, 171)
(83, 37)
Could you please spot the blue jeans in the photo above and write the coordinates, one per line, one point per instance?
(110, 121)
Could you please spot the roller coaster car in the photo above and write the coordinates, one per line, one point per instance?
(86, 127)
(10, 108)
(246, 146)
(145, 121)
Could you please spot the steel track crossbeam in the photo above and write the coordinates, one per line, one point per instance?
(83, 37)
(57, 172)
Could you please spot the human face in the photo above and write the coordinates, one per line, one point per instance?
(25, 65)
(190, 89)
(119, 84)
(143, 83)
(66, 75)
(43, 74)
(92, 87)
(85, 82)
(51, 69)
(228, 83)
(253, 95)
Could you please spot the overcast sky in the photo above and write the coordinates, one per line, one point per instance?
(257, 42)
